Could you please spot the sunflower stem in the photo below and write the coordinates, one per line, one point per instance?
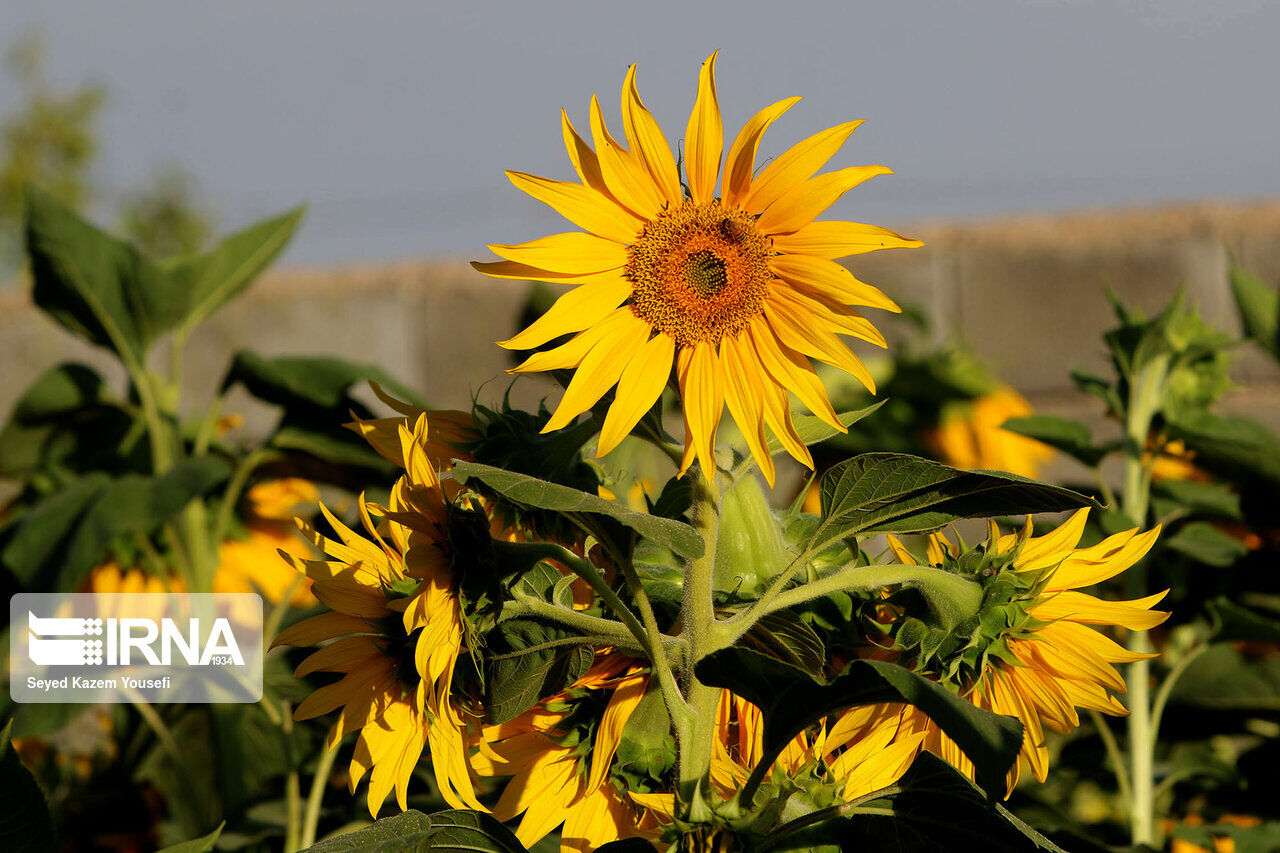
(694, 734)
(1146, 393)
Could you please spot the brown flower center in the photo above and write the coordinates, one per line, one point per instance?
(700, 272)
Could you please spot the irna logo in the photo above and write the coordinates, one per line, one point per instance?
(61, 641)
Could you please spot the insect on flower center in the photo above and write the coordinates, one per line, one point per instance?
(700, 272)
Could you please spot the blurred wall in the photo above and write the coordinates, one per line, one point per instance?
(1025, 294)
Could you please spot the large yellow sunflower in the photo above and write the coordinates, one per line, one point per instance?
(559, 778)
(1052, 662)
(737, 290)
(395, 631)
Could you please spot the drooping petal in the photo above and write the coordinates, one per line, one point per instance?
(1135, 615)
(574, 253)
(702, 390)
(599, 371)
(835, 239)
(804, 202)
(587, 208)
(744, 395)
(797, 331)
(704, 137)
(822, 277)
(580, 308)
(740, 162)
(639, 388)
(796, 165)
(791, 370)
(648, 142)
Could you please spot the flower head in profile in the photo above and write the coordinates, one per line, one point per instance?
(394, 631)
(1033, 652)
(720, 273)
(558, 755)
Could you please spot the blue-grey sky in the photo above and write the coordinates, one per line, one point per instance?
(394, 119)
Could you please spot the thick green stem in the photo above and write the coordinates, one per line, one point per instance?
(700, 631)
(1146, 392)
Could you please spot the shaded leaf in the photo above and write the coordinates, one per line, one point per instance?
(1064, 434)
(791, 700)
(527, 661)
(895, 492)
(455, 831)
(1206, 544)
(25, 825)
(1259, 308)
(1232, 621)
(319, 381)
(1189, 497)
(1230, 445)
(196, 845)
(540, 494)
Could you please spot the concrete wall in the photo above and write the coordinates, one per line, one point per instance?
(1026, 294)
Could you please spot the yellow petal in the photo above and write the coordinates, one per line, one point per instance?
(702, 390)
(834, 316)
(744, 394)
(797, 330)
(796, 165)
(648, 142)
(821, 277)
(575, 253)
(740, 162)
(639, 388)
(1043, 552)
(704, 137)
(579, 309)
(1076, 606)
(570, 354)
(524, 272)
(791, 370)
(326, 626)
(609, 733)
(777, 416)
(900, 552)
(338, 656)
(833, 240)
(584, 160)
(587, 208)
(803, 203)
(599, 371)
(623, 172)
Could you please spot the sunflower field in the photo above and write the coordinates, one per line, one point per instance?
(605, 624)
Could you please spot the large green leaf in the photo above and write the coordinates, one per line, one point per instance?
(319, 381)
(455, 831)
(791, 700)
(539, 494)
(211, 280)
(526, 661)
(94, 285)
(932, 807)
(1069, 436)
(1259, 307)
(25, 825)
(895, 492)
(69, 533)
(1206, 544)
(1231, 445)
(1187, 497)
(1232, 621)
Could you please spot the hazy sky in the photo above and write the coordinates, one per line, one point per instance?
(395, 119)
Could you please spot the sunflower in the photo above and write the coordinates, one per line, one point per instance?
(975, 438)
(252, 563)
(737, 291)
(1049, 660)
(394, 631)
(558, 754)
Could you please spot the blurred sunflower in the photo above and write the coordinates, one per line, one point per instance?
(1044, 660)
(558, 754)
(973, 438)
(395, 630)
(252, 564)
(737, 291)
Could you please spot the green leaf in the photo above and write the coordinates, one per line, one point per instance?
(647, 749)
(1232, 621)
(1069, 436)
(1091, 383)
(791, 700)
(213, 279)
(1259, 308)
(814, 430)
(1206, 544)
(317, 381)
(540, 494)
(196, 845)
(1262, 838)
(327, 441)
(894, 492)
(527, 661)
(41, 535)
(932, 807)
(455, 831)
(1223, 678)
(25, 825)
(1187, 497)
(92, 284)
(1234, 446)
